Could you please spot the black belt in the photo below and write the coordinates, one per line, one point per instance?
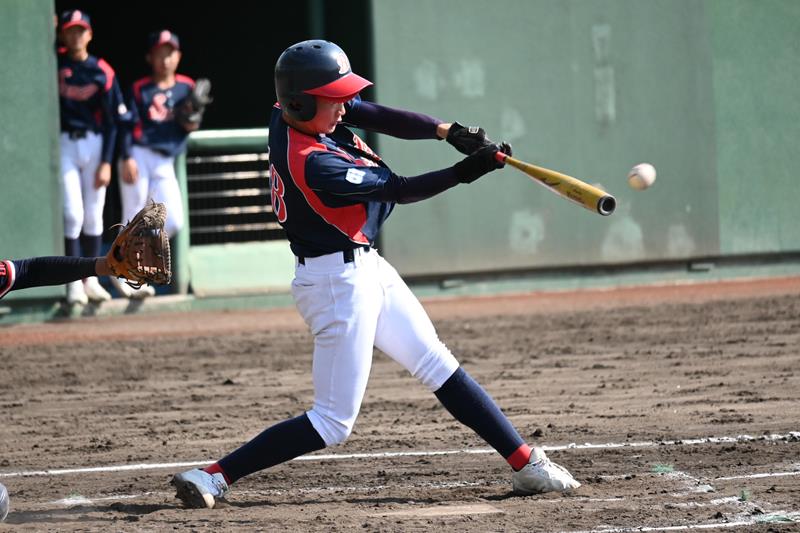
(78, 134)
(348, 256)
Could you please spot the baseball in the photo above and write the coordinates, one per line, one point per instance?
(642, 176)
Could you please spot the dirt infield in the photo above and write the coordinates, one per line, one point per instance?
(644, 375)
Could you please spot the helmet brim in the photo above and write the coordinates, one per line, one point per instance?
(343, 89)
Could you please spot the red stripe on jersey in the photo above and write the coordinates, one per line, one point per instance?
(7, 276)
(108, 71)
(349, 220)
(185, 79)
(137, 87)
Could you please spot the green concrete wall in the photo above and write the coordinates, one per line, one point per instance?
(31, 219)
(756, 48)
(704, 90)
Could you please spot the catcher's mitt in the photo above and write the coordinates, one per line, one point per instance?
(140, 253)
(191, 112)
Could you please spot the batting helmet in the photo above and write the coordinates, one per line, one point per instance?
(314, 68)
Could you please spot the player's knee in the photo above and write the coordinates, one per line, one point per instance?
(92, 224)
(73, 221)
(436, 366)
(173, 226)
(332, 430)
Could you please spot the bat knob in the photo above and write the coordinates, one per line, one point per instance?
(500, 156)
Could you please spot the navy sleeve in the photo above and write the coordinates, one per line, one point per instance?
(53, 270)
(339, 182)
(387, 120)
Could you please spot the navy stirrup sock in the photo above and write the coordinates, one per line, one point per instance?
(277, 444)
(473, 407)
(72, 247)
(91, 245)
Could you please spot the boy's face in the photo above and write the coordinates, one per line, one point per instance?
(76, 38)
(329, 114)
(164, 59)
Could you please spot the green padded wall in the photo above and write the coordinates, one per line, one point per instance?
(756, 48)
(586, 88)
(31, 220)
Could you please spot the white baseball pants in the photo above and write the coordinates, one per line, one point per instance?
(156, 181)
(83, 203)
(351, 307)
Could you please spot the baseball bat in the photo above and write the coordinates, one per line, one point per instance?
(589, 196)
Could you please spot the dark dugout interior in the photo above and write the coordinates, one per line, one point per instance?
(234, 44)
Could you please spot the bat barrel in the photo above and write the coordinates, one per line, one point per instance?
(606, 205)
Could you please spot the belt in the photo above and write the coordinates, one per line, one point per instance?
(348, 256)
(78, 134)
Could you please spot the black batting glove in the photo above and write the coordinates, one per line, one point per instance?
(481, 162)
(467, 140)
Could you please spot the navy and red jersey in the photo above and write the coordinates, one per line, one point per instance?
(153, 123)
(90, 98)
(332, 192)
(7, 276)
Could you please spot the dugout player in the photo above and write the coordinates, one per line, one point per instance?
(331, 193)
(155, 134)
(90, 105)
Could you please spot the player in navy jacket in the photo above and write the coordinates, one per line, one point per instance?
(153, 137)
(90, 106)
(331, 193)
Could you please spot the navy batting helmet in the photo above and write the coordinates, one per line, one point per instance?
(314, 68)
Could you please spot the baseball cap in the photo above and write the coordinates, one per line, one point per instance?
(75, 17)
(158, 38)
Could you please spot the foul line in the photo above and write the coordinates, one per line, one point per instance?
(791, 436)
(774, 518)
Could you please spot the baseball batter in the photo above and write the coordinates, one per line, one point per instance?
(332, 193)
(153, 138)
(90, 108)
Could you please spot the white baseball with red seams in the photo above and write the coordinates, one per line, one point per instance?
(642, 176)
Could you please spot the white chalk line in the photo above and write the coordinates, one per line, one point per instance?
(758, 476)
(761, 519)
(792, 435)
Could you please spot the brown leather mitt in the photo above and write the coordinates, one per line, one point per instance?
(140, 253)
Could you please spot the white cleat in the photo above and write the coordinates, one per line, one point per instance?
(94, 291)
(198, 489)
(75, 293)
(144, 292)
(124, 290)
(542, 475)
